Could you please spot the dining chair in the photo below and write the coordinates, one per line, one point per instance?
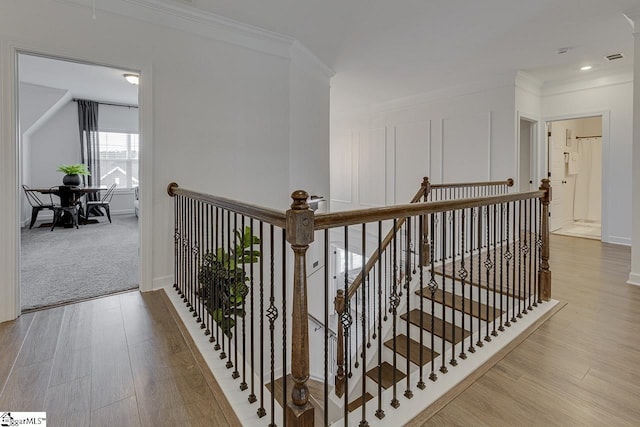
(69, 202)
(36, 204)
(102, 203)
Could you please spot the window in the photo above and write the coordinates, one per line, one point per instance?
(118, 159)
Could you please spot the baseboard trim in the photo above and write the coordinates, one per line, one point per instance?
(634, 279)
(434, 408)
(162, 282)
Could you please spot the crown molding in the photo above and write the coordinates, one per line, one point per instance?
(529, 83)
(633, 16)
(595, 81)
(300, 54)
(506, 79)
(192, 20)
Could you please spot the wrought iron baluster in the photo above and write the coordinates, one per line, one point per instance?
(379, 412)
(495, 260)
(216, 282)
(421, 263)
(507, 256)
(346, 323)
(363, 422)
(453, 360)
(261, 411)
(272, 315)
(284, 325)
(252, 396)
(531, 250)
(488, 264)
(433, 286)
(326, 328)
(394, 301)
(462, 274)
(243, 384)
(443, 367)
(471, 348)
(479, 343)
(501, 327)
(514, 267)
(208, 231)
(408, 393)
(520, 252)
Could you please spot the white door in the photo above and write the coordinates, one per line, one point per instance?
(560, 209)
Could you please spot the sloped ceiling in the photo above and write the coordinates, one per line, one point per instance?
(383, 50)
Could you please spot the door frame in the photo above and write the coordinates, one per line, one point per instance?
(534, 149)
(606, 120)
(11, 169)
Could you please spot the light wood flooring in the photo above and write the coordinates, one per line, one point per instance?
(115, 361)
(582, 366)
(123, 360)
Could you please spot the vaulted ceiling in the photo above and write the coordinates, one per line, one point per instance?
(383, 50)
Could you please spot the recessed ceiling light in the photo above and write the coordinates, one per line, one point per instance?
(134, 79)
(586, 68)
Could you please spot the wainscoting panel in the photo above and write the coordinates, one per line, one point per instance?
(412, 158)
(341, 167)
(465, 156)
(372, 169)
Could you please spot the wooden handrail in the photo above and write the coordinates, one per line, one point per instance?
(508, 183)
(385, 242)
(268, 215)
(361, 216)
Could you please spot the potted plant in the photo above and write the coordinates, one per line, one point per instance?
(73, 172)
(223, 279)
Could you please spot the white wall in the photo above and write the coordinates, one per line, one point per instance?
(634, 275)
(612, 98)
(380, 158)
(215, 109)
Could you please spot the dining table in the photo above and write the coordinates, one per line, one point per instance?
(77, 192)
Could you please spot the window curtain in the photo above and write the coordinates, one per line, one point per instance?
(89, 144)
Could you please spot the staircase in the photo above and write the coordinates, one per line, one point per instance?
(447, 285)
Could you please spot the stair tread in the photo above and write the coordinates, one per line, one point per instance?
(472, 308)
(358, 402)
(482, 282)
(401, 349)
(414, 317)
(387, 374)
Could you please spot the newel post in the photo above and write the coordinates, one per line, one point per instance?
(300, 228)
(426, 254)
(545, 273)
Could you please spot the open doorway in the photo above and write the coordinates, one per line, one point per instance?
(575, 166)
(77, 113)
(528, 136)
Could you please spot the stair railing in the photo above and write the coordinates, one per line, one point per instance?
(231, 270)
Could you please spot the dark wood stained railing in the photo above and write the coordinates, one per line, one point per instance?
(447, 277)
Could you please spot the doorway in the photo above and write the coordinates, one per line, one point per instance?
(575, 166)
(528, 135)
(101, 255)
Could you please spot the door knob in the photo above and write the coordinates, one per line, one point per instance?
(564, 182)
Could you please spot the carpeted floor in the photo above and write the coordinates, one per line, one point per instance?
(69, 264)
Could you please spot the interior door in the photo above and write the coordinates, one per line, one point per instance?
(559, 209)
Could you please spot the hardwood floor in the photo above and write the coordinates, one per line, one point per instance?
(581, 367)
(123, 360)
(119, 360)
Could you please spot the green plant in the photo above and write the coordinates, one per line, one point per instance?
(223, 279)
(77, 169)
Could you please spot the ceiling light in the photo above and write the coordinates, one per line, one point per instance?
(134, 79)
(586, 68)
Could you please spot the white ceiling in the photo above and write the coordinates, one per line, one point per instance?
(84, 81)
(389, 49)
